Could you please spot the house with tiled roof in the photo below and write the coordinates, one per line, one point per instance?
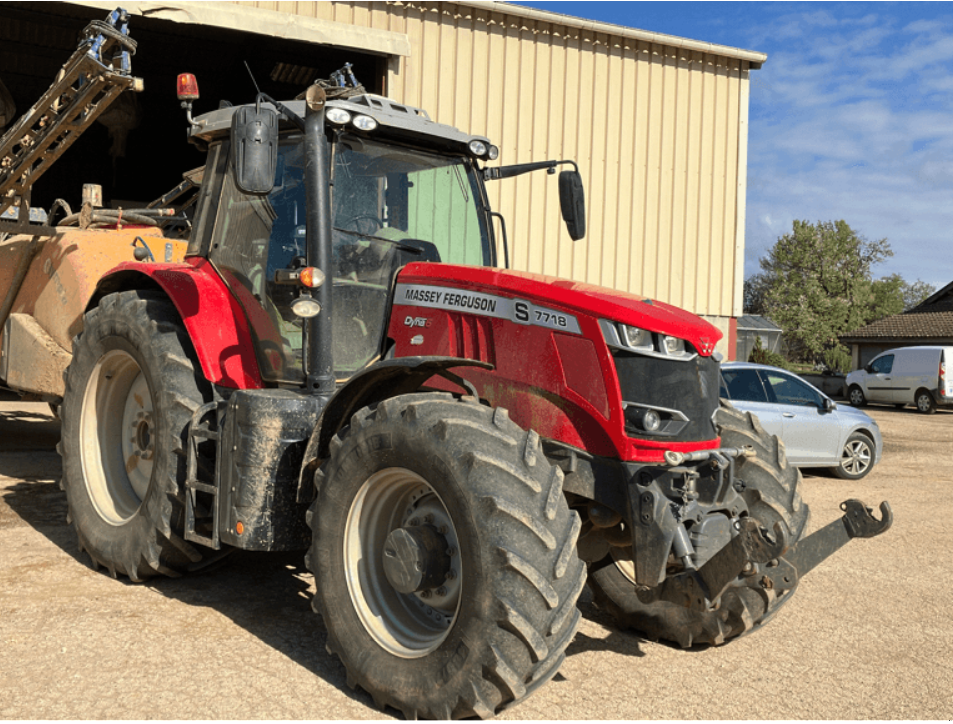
(930, 322)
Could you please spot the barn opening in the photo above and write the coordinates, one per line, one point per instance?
(138, 150)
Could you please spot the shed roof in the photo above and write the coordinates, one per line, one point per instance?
(931, 319)
(753, 57)
(756, 323)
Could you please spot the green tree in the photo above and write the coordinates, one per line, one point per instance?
(916, 293)
(754, 289)
(893, 295)
(760, 355)
(888, 297)
(818, 285)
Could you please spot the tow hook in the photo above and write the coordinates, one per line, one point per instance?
(856, 523)
(782, 572)
(769, 563)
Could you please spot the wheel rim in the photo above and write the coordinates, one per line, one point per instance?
(622, 557)
(856, 397)
(409, 625)
(923, 403)
(117, 437)
(856, 457)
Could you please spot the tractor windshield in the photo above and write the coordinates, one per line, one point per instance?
(390, 205)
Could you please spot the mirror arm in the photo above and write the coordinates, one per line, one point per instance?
(492, 174)
(297, 120)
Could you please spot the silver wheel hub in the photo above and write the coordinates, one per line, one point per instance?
(402, 560)
(856, 457)
(117, 436)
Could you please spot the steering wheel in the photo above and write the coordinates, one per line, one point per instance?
(361, 222)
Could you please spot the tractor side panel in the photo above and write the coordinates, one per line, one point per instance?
(213, 318)
(553, 370)
(550, 382)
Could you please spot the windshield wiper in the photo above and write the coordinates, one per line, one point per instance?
(398, 244)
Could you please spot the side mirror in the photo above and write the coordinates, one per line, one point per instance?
(572, 202)
(829, 405)
(255, 149)
(868, 369)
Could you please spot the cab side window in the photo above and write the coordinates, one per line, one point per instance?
(882, 365)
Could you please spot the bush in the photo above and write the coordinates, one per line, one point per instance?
(837, 359)
(762, 356)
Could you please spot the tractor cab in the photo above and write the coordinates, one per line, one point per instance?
(400, 189)
(395, 198)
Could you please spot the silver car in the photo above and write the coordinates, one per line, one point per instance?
(816, 431)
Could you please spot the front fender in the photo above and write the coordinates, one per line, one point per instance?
(213, 318)
(381, 381)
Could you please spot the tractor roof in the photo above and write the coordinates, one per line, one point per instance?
(395, 121)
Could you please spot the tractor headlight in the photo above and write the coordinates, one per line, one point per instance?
(642, 341)
(673, 346)
(651, 421)
(635, 338)
(643, 420)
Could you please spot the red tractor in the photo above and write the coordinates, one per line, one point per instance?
(341, 366)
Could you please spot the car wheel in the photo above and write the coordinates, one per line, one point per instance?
(925, 402)
(857, 457)
(856, 396)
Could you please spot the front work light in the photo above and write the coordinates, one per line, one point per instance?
(338, 115)
(306, 307)
(364, 123)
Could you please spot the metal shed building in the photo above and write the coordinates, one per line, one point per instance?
(657, 124)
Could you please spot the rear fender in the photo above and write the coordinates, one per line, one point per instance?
(382, 381)
(213, 318)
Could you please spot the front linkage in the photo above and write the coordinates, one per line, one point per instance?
(661, 502)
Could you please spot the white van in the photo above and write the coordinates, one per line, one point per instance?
(903, 376)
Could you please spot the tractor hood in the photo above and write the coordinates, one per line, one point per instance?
(577, 298)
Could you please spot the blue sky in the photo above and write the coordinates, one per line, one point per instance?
(851, 116)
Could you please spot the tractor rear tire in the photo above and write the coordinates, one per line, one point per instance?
(772, 497)
(131, 390)
(494, 622)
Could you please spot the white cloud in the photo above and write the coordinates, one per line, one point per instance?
(853, 119)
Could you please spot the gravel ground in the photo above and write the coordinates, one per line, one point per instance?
(867, 636)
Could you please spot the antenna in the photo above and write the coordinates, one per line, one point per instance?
(257, 89)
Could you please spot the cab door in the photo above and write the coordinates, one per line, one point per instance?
(880, 387)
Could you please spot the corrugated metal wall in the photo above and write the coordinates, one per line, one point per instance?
(654, 129)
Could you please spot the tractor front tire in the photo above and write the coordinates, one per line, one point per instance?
(444, 557)
(131, 390)
(772, 497)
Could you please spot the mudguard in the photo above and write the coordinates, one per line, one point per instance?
(213, 318)
(383, 380)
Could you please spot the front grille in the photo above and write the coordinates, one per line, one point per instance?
(691, 387)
